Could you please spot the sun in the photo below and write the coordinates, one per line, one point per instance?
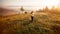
(50, 3)
(40, 4)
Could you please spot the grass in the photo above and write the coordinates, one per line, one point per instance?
(20, 24)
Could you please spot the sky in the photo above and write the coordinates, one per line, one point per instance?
(30, 4)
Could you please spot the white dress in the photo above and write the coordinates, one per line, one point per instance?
(32, 14)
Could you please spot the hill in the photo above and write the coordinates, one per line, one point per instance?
(43, 23)
(7, 11)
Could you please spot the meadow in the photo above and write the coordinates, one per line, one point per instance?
(43, 23)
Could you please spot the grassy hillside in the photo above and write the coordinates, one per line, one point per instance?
(46, 23)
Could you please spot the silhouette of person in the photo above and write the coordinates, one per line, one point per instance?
(32, 16)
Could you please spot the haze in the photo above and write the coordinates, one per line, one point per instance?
(30, 4)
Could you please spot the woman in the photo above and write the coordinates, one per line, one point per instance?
(32, 16)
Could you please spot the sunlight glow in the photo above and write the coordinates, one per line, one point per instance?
(31, 4)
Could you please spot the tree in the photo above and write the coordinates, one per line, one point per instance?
(22, 9)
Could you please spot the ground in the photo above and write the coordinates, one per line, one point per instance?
(43, 23)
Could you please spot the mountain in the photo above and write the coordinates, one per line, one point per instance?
(7, 11)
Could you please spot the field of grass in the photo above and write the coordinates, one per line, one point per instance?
(21, 24)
